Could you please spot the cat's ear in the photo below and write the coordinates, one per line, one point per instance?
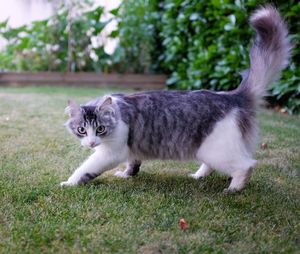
(72, 109)
(106, 102)
(106, 108)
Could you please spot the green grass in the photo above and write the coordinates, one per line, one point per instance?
(138, 215)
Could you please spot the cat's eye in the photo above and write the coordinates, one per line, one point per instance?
(101, 129)
(81, 130)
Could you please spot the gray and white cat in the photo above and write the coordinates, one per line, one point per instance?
(218, 129)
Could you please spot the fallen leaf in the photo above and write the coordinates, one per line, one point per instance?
(183, 224)
(264, 146)
(284, 111)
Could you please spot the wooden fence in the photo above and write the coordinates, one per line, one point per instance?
(135, 81)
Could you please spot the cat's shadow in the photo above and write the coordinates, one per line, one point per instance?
(181, 185)
(182, 188)
(166, 183)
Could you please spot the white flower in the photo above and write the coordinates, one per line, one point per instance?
(55, 47)
(34, 49)
(90, 32)
(22, 34)
(25, 51)
(111, 45)
(94, 56)
(80, 54)
(82, 63)
(57, 61)
(96, 42)
(89, 48)
(60, 11)
(50, 22)
(48, 47)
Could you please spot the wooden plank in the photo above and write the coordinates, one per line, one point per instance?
(139, 81)
(77, 77)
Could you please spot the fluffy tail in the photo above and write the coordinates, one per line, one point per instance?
(270, 53)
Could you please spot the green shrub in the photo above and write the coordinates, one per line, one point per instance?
(203, 44)
(286, 92)
(199, 44)
(138, 35)
(55, 44)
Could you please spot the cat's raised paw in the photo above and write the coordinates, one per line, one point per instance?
(122, 174)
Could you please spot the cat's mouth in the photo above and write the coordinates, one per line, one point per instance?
(93, 145)
(90, 145)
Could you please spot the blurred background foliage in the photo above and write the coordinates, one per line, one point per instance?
(199, 44)
(66, 41)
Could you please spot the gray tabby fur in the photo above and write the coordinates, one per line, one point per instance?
(218, 129)
(172, 124)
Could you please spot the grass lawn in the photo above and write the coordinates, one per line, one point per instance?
(139, 215)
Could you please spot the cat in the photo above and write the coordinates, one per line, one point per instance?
(217, 129)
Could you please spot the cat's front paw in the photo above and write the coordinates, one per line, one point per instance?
(195, 176)
(230, 191)
(67, 183)
(122, 174)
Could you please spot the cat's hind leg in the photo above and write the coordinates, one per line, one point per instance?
(239, 180)
(228, 149)
(132, 169)
(202, 172)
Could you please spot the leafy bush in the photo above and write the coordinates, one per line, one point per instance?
(203, 44)
(138, 36)
(55, 44)
(199, 44)
(286, 92)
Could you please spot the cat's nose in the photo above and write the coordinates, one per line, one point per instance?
(92, 143)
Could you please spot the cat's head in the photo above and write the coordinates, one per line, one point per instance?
(92, 124)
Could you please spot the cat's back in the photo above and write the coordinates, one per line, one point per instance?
(179, 101)
(171, 124)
